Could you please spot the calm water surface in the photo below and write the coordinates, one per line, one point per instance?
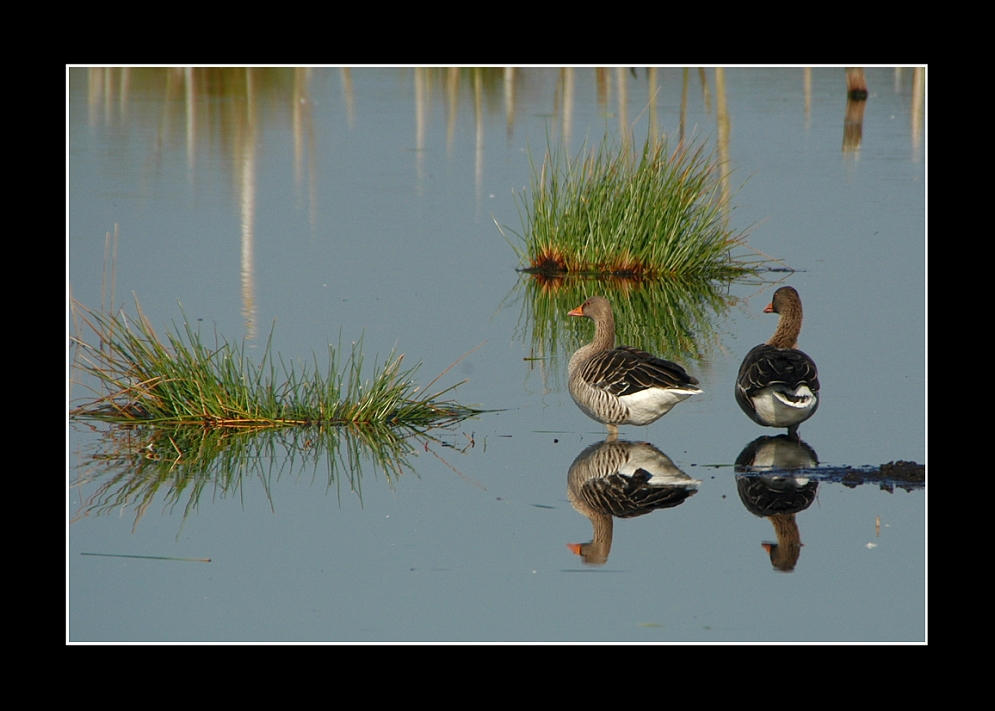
(327, 204)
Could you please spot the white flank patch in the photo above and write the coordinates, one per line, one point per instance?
(778, 411)
(652, 404)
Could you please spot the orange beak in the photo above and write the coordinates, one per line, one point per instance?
(769, 309)
(579, 311)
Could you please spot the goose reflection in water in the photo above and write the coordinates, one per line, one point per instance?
(773, 493)
(617, 478)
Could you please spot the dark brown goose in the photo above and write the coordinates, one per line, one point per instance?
(778, 385)
(624, 385)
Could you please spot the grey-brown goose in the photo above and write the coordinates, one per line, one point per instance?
(778, 385)
(624, 385)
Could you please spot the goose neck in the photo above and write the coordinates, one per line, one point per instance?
(789, 325)
(604, 333)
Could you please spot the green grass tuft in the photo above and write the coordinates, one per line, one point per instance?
(182, 381)
(650, 216)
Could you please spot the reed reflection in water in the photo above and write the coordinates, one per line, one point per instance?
(131, 466)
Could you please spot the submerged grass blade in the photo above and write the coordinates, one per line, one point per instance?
(150, 557)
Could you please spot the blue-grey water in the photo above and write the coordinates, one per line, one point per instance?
(324, 203)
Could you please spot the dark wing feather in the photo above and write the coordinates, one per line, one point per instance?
(766, 365)
(626, 370)
(626, 497)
